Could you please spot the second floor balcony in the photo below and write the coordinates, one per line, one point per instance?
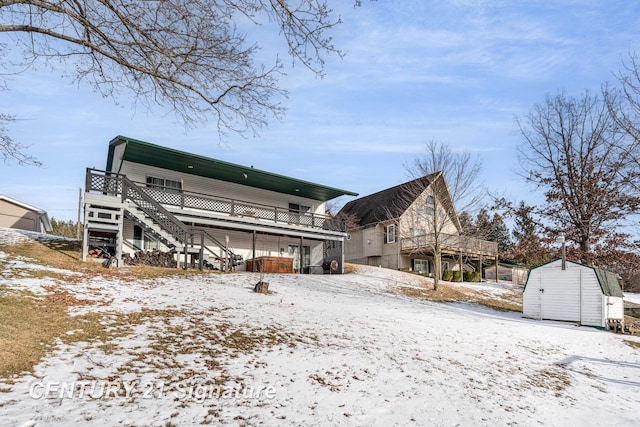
(113, 184)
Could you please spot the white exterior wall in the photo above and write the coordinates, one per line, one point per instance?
(592, 299)
(240, 242)
(613, 308)
(116, 162)
(571, 295)
(216, 188)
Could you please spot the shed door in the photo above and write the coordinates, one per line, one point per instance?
(561, 297)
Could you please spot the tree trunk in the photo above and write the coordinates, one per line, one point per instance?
(261, 287)
(437, 263)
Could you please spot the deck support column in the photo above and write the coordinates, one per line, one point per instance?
(253, 264)
(301, 256)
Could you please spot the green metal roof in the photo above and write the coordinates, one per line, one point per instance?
(608, 283)
(167, 158)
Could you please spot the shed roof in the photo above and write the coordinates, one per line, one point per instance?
(608, 283)
(180, 161)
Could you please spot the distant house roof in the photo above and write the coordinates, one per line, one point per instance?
(167, 158)
(393, 202)
(42, 214)
(507, 265)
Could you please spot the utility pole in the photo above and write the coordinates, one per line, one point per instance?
(79, 209)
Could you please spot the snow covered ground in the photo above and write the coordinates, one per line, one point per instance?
(335, 350)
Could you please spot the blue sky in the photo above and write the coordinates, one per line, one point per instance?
(456, 71)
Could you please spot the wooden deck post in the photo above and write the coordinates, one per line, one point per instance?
(253, 264)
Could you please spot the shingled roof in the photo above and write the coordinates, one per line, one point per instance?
(387, 204)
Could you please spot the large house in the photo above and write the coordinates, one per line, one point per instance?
(207, 211)
(17, 214)
(403, 226)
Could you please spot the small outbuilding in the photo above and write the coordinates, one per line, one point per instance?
(17, 214)
(577, 293)
(515, 274)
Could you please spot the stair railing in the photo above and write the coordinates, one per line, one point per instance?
(154, 210)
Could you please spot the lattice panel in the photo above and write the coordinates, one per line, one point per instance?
(208, 204)
(107, 184)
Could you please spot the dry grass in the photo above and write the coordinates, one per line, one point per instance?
(53, 253)
(29, 327)
(453, 293)
(444, 293)
(349, 268)
(67, 255)
(633, 323)
(633, 344)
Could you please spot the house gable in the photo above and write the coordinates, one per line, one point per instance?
(395, 202)
(387, 204)
(419, 218)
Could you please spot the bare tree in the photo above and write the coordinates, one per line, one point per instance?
(461, 171)
(628, 117)
(423, 212)
(574, 150)
(187, 54)
(457, 188)
(10, 149)
(626, 108)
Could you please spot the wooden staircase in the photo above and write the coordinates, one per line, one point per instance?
(111, 197)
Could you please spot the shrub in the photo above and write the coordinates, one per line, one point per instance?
(472, 276)
(457, 276)
(447, 275)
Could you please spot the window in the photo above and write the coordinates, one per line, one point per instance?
(137, 238)
(294, 252)
(164, 184)
(296, 208)
(415, 232)
(296, 213)
(390, 233)
(421, 265)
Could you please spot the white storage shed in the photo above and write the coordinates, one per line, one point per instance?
(579, 293)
